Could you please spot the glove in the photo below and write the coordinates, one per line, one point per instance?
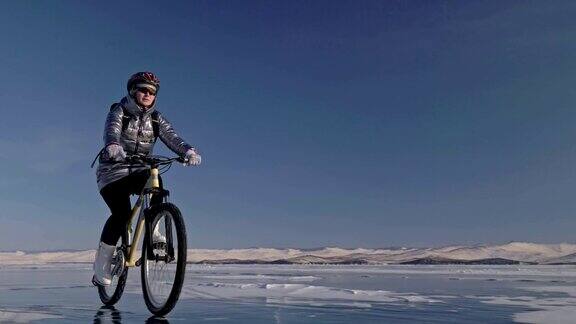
(192, 158)
(115, 152)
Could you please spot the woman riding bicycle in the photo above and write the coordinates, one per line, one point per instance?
(132, 127)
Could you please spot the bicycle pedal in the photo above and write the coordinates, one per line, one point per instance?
(138, 262)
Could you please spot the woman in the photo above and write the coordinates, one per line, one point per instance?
(132, 127)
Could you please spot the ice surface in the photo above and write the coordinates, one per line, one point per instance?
(548, 309)
(258, 277)
(545, 308)
(17, 316)
(297, 292)
(482, 272)
(263, 293)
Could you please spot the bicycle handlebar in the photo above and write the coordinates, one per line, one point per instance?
(152, 160)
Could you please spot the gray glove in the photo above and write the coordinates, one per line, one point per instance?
(115, 152)
(192, 158)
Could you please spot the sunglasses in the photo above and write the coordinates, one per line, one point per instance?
(146, 91)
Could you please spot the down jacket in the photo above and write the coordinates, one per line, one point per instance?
(137, 138)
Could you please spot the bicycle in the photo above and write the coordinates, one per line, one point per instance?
(162, 261)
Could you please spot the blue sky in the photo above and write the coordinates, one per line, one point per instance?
(321, 123)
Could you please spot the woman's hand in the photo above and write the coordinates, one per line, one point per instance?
(115, 152)
(192, 158)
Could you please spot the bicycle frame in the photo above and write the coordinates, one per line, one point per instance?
(152, 185)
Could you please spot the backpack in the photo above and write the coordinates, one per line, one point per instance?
(126, 119)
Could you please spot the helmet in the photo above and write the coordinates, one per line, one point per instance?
(143, 77)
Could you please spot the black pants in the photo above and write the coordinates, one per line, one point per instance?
(117, 197)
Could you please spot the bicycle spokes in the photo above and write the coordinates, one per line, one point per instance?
(118, 262)
(169, 238)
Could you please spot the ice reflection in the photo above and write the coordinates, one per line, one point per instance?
(156, 320)
(107, 314)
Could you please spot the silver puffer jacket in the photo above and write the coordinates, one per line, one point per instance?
(137, 138)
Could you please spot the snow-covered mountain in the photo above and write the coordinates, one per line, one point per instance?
(515, 251)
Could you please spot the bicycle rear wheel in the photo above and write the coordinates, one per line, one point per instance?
(163, 258)
(110, 295)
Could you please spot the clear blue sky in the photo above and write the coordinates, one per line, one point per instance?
(321, 123)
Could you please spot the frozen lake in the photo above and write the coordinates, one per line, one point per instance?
(303, 294)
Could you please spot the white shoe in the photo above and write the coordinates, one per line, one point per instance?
(102, 270)
(158, 237)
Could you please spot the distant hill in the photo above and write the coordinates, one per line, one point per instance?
(436, 260)
(511, 253)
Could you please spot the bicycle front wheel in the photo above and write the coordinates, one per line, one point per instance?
(163, 258)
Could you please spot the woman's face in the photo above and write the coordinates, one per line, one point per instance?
(145, 97)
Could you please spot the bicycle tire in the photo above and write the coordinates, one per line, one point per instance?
(108, 298)
(170, 212)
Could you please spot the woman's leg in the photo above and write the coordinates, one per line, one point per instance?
(117, 197)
